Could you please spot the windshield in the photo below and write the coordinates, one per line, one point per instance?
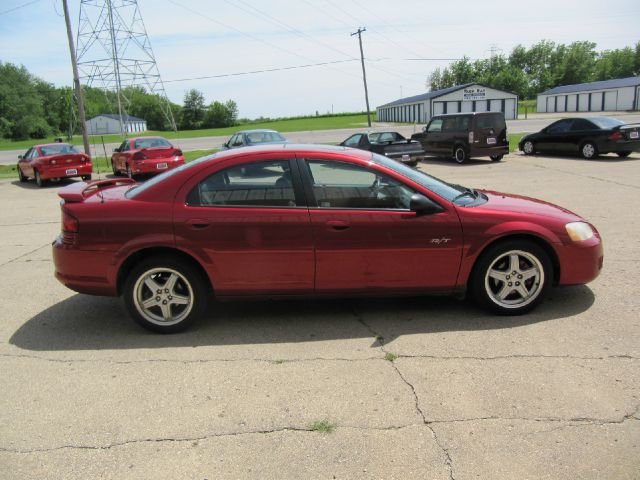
(606, 122)
(138, 189)
(58, 149)
(152, 143)
(446, 190)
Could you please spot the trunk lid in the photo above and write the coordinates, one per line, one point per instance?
(102, 190)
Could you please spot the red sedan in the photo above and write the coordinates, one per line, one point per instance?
(145, 155)
(53, 161)
(311, 220)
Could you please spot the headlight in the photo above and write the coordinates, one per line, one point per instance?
(579, 231)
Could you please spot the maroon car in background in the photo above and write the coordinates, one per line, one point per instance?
(53, 161)
(302, 220)
(142, 155)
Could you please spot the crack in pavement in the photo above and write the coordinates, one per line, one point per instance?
(26, 224)
(25, 254)
(380, 340)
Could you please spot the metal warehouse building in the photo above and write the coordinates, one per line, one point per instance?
(605, 96)
(471, 97)
(109, 123)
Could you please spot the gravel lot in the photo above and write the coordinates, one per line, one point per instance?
(554, 394)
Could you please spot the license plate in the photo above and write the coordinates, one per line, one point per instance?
(633, 135)
(160, 166)
(491, 141)
(71, 171)
(405, 157)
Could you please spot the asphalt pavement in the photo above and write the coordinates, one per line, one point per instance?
(554, 394)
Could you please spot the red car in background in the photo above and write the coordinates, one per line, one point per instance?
(54, 161)
(307, 220)
(142, 155)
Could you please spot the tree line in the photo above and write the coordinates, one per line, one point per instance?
(33, 108)
(530, 71)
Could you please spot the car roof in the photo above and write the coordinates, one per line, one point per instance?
(52, 144)
(146, 137)
(258, 130)
(298, 148)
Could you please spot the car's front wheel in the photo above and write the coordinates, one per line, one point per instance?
(528, 148)
(165, 295)
(589, 150)
(129, 171)
(512, 277)
(39, 181)
(460, 154)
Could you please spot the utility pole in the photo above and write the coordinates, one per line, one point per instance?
(364, 73)
(76, 81)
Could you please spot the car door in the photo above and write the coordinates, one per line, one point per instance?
(122, 155)
(432, 137)
(555, 136)
(581, 130)
(249, 224)
(366, 238)
(25, 163)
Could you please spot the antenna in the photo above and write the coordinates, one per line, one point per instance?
(114, 53)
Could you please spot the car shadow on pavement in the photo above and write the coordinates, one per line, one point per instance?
(470, 162)
(609, 157)
(31, 184)
(83, 322)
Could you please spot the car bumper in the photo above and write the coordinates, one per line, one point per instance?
(620, 146)
(66, 171)
(157, 165)
(485, 151)
(407, 158)
(580, 262)
(76, 269)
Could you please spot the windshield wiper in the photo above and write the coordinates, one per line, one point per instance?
(467, 191)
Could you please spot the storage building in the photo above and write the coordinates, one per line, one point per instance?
(471, 97)
(605, 96)
(109, 123)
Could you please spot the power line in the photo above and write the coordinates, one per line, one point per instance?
(4, 12)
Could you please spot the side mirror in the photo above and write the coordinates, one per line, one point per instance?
(20, 157)
(423, 205)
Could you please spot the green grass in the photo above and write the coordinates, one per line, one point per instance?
(284, 125)
(101, 164)
(514, 139)
(323, 426)
(530, 105)
(390, 357)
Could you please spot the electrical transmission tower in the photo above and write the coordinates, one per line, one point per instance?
(114, 53)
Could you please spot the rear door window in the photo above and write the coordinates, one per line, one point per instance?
(562, 126)
(449, 124)
(582, 124)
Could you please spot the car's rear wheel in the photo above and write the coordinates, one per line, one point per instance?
(129, 171)
(39, 181)
(165, 295)
(512, 277)
(496, 158)
(86, 178)
(460, 154)
(624, 154)
(589, 150)
(528, 148)
(21, 175)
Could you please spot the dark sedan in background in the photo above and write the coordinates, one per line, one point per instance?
(389, 144)
(588, 137)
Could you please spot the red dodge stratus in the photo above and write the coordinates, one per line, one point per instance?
(302, 220)
(53, 161)
(142, 155)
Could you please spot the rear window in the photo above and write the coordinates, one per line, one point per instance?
(606, 122)
(152, 143)
(58, 149)
(490, 121)
(263, 137)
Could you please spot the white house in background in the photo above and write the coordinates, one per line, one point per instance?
(109, 123)
(606, 96)
(471, 97)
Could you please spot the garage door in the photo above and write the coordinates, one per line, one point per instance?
(481, 106)
(611, 100)
(438, 108)
(583, 102)
(496, 106)
(596, 102)
(551, 104)
(452, 107)
(561, 103)
(467, 106)
(572, 103)
(510, 109)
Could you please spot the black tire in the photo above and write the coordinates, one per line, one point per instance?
(86, 178)
(188, 283)
(129, 172)
(529, 148)
(116, 173)
(39, 181)
(492, 277)
(496, 158)
(21, 176)
(589, 151)
(460, 154)
(624, 154)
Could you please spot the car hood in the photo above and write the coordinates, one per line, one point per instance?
(518, 204)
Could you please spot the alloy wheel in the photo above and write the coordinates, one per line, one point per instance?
(514, 279)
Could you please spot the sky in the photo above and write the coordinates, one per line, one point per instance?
(404, 41)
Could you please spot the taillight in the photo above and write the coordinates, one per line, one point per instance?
(470, 137)
(70, 227)
(139, 156)
(53, 162)
(616, 136)
(177, 153)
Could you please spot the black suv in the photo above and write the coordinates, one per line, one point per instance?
(465, 135)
